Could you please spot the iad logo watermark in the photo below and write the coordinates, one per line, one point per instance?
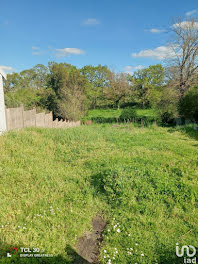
(190, 252)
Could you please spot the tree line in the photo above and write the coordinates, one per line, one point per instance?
(69, 92)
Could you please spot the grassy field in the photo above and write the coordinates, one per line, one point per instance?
(113, 114)
(142, 180)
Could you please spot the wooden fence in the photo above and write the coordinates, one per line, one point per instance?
(17, 118)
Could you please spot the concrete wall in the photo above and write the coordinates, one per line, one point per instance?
(14, 118)
(17, 118)
(48, 120)
(29, 118)
(40, 120)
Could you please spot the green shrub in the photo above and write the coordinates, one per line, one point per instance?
(166, 118)
(128, 114)
(188, 106)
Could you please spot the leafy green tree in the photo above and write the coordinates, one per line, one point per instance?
(27, 97)
(40, 76)
(27, 88)
(27, 79)
(148, 84)
(118, 90)
(13, 82)
(98, 77)
(34, 78)
(69, 99)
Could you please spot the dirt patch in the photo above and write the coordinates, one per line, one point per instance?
(88, 246)
(115, 125)
(88, 122)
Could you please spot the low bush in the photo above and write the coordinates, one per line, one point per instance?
(128, 114)
(188, 106)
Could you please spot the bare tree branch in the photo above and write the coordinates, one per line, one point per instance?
(185, 46)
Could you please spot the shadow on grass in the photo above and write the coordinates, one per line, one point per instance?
(72, 256)
(168, 256)
(111, 120)
(189, 131)
(102, 120)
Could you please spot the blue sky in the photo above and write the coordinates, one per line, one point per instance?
(124, 35)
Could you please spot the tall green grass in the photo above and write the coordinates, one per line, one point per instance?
(112, 115)
(142, 180)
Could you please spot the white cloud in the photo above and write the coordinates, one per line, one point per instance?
(35, 48)
(186, 25)
(156, 30)
(68, 51)
(159, 53)
(91, 21)
(36, 51)
(192, 12)
(132, 69)
(6, 69)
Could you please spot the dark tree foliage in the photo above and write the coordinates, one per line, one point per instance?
(188, 106)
